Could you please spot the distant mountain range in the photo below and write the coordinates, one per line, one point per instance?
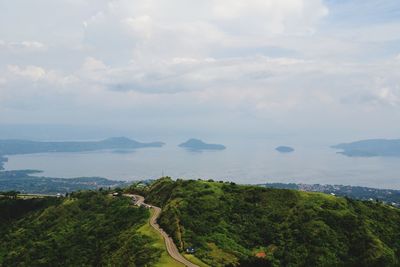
(196, 144)
(13, 147)
(371, 148)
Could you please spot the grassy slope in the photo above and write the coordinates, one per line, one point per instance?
(158, 242)
(228, 224)
(195, 260)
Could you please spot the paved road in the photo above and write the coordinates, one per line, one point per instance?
(169, 243)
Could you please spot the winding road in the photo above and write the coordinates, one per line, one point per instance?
(169, 243)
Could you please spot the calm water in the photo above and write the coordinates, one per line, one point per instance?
(256, 162)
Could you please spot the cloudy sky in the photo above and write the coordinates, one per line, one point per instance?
(330, 67)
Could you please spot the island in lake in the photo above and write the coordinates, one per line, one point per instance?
(14, 147)
(2, 161)
(371, 148)
(284, 149)
(196, 144)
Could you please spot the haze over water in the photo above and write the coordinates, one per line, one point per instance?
(250, 161)
(323, 69)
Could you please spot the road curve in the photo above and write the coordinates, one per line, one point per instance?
(169, 243)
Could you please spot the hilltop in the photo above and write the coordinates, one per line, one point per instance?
(229, 224)
(389, 196)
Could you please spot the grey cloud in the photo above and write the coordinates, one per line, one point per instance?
(147, 89)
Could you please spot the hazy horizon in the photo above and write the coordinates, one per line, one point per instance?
(199, 133)
(310, 73)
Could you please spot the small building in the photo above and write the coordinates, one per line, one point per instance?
(261, 254)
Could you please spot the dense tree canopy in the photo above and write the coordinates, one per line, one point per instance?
(87, 229)
(229, 224)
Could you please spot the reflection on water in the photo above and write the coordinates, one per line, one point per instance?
(245, 163)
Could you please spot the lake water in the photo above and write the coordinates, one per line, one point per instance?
(256, 162)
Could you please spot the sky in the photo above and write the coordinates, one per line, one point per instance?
(323, 68)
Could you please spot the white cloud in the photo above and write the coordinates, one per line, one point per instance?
(141, 25)
(157, 30)
(29, 75)
(93, 64)
(269, 59)
(33, 73)
(271, 16)
(389, 96)
(24, 45)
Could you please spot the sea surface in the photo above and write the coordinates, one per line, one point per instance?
(242, 162)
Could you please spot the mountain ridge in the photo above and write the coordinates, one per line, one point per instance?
(370, 148)
(16, 146)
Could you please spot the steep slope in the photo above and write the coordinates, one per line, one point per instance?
(87, 229)
(228, 225)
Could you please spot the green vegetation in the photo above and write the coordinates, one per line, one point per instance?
(229, 224)
(390, 196)
(193, 259)
(12, 208)
(158, 242)
(226, 224)
(87, 229)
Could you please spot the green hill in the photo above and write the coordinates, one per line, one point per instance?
(226, 224)
(229, 224)
(87, 229)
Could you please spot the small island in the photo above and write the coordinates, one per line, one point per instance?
(2, 161)
(371, 148)
(196, 144)
(284, 149)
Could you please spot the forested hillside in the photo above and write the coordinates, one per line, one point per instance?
(232, 225)
(225, 223)
(87, 229)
